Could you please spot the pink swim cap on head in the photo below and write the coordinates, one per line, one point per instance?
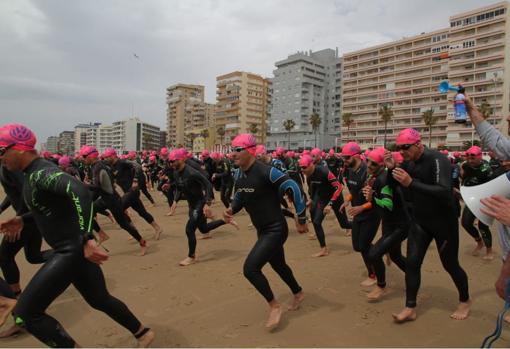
(152, 158)
(144, 152)
(445, 152)
(474, 150)
(88, 150)
(397, 157)
(279, 151)
(21, 136)
(110, 153)
(247, 141)
(260, 150)
(306, 152)
(163, 150)
(351, 148)
(46, 154)
(290, 154)
(377, 155)
(64, 161)
(305, 161)
(205, 153)
(331, 152)
(316, 152)
(456, 154)
(178, 154)
(408, 136)
(131, 155)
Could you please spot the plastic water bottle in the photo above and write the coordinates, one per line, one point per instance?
(460, 107)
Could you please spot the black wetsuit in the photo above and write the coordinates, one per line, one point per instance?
(63, 211)
(124, 173)
(365, 224)
(224, 174)
(476, 176)
(395, 220)
(198, 192)
(259, 191)
(30, 238)
(142, 180)
(433, 217)
(324, 189)
(106, 197)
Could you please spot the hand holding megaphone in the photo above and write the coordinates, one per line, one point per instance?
(498, 207)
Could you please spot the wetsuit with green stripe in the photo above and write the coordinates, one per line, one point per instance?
(61, 206)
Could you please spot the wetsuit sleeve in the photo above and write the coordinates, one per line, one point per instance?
(206, 185)
(333, 181)
(384, 198)
(6, 203)
(104, 182)
(441, 189)
(57, 182)
(283, 183)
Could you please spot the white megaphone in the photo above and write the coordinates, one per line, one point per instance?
(473, 195)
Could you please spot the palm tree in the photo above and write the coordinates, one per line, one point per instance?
(348, 122)
(254, 129)
(221, 132)
(204, 133)
(386, 113)
(315, 121)
(486, 109)
(430, 119)
(288, 125)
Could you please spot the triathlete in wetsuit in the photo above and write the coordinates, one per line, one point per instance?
(223, 173)
(30, 238)
(198, 192)
(365, 219)
(258, 189)
(62, 208)
(426, 175)
(395, 221)
(476, 171)
(324, 189)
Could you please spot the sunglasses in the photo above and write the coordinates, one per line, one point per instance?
(3, 150)
(240, 149)
(405, 146)
(372, 163)
(303, 167)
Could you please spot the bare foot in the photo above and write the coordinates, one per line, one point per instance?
(488, 257)
(110, 217)
(146, 340)
(311, 236)
(158, 234)
(187, 261)
(462, 311)
(205, 236)
(368, 282)
(234, 223)
(407, 314)
(296, 301)
(275, 314)
(322, 253)
(102, 237)
(11, 331)
(6, 306)
(507, 318)
(478, 249)
(376, 294)
(348, 232)
(143, 247)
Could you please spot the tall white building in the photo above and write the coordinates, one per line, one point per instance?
(134, 134)
(81, 134)
(306, 83)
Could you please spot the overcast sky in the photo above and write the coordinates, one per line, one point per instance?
(65, 62)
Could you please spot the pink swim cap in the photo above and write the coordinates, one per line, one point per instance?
(205, 153)
(215, 155)
(64, 161)
(377, 155)
(290, 154)
(88, 150)
(474, 150)
(152, 158)
(306, 152)
(305, 161)
(279, 151)
(351, 148)
(397, 157)
(163, 150)
(260, 150)
(445, 152)
(456, 154)
(331, 152)
(110, 153)
(178, 154)
(21, 136)
(131, 155)
(46, 154)
(408, 136)
(247, 141)
(316, 152)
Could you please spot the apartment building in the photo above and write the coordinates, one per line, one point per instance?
(52, 144)
(185, 109)
(80, 134)
(306, 83)
(404, 74)
(242, 102)
(65, 144)
(134, 134)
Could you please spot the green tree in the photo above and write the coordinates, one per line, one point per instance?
(430, 120)
(221, 132)
(288, 125)
(348, 122)
(315, 121)
(386, 113)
